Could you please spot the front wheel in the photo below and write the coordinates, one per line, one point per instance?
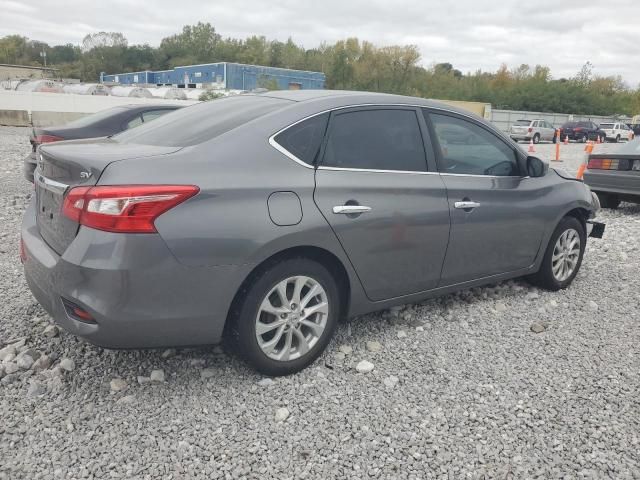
(563, 256)
(288, 316)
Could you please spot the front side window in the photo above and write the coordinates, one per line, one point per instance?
(304, 138)
(382, 139)
(153, 114)
(468, 149)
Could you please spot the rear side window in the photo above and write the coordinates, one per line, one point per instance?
(384, 139)
(201, 122)
(153, 114)
(304, 139)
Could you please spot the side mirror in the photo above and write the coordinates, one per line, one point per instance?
(536, 167)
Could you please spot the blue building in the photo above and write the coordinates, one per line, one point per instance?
(229, 76)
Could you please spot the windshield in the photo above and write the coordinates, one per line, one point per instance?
(201, 122)
(95, 117)
(523, 122)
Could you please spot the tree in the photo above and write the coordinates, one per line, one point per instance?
(103, 39)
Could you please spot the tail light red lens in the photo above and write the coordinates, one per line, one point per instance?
(124, 208)
(577, 129)
(609, 164)
(40, 139)
(530, 129)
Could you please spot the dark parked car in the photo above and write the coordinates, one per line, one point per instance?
(582, 131)
(102, 124)
(615, 176)
(271, 216)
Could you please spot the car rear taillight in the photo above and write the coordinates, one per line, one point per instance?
(530, 129)
(40, 139)
(577, 129)
(610, 164)
(124, 208)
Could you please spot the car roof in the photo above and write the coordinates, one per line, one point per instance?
(150, 106)
(341, 98)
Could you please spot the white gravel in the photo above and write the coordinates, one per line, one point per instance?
(470, 391)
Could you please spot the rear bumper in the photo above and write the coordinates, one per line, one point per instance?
(519, 137)
(136, 291)
(621, 183)
(29, 166)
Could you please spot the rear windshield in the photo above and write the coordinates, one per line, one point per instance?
(523, 122)
(570, 125)
(95, 117)
(606, 125)
(201, 122)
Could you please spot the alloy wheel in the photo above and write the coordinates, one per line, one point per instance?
(565, 255)
(292, 317)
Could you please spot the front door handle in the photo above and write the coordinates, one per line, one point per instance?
(351, 209)
(466, 205)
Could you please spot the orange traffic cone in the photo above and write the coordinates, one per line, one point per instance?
(581, 170)
(566, 140)
(532, 148)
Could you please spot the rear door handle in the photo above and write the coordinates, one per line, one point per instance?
(466, 205)
(351, 209)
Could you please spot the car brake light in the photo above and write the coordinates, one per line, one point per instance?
(577, 129)
(530, 129)
(40, 139)
(124, 208)
(609, 164)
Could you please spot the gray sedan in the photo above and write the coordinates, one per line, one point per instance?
(615, 176)
(271, 216)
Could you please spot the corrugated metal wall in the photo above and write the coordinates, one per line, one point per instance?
(225, 75)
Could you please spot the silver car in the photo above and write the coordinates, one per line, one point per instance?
(533, 130)
(271, 216)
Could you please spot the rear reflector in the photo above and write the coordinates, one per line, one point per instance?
(124, 208)
(23, 251)
(609, 164)
(76, 312)
(40, 139)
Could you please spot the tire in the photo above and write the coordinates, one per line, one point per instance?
(555, 139)
(263, 290)
(545, 277)
(618, 139)
(536, 138)
(584, 138)
(607, 200)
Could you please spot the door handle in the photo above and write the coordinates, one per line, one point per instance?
(466, 205)
(351, 209)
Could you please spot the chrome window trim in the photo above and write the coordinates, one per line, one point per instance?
(290, 155)
(372, 170)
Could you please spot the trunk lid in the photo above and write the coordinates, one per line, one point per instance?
(64, 165)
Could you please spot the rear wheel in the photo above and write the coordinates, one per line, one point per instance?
(563, 256)
(536, 138)
(288, 316)
(584, 138)
(618, 139)
(607, 200)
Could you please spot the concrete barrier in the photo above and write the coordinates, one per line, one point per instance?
(46, 109)
(14, 118)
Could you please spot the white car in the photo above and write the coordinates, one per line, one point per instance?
(616, 131)
(536, 130)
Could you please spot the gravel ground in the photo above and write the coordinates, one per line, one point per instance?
(458, 387)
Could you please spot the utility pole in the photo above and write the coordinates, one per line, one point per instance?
(43, 54)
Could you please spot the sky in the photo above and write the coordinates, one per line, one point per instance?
(469, 34)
